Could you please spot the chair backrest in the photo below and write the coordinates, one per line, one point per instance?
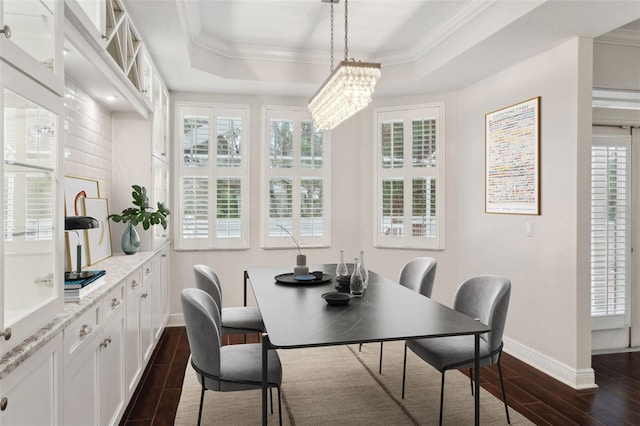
(202, 321)
(485, 297)
(418, 274)
(207, 280)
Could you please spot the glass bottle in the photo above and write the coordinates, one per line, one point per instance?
(356, 285)
(363, 270)
(341, 269)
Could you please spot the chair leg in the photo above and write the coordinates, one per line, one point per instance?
(441, 397)
(504, 394)
(360, 348)
(279, 406)
(471, 379)
(380, 362)
(201, 402)
(271, 398)
(404, 368)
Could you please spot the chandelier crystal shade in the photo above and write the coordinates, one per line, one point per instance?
(348, 88)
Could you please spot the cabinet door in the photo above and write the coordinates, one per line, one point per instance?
(32, 392)
(32, 261)
(81, 379)
(146, 323)
(133, 349)
(112, 370)
(33, 41)
(160, 195)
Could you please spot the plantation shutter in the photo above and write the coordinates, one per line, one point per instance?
(213, 177)
(610, 230)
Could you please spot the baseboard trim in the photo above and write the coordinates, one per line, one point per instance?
(175, 320)
(578, 379)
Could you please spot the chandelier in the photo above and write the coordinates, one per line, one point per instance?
(348, 88)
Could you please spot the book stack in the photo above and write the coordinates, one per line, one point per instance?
(76, 290)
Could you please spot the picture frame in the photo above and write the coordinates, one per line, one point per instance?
(75, 189)
(512, 159)
(98, 239)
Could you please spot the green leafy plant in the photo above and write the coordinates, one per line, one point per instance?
(141, 213)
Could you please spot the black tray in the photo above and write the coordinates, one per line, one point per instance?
(289, 279)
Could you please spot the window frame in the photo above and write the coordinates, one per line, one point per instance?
(213, 172)
(408, 173)
(297, 173)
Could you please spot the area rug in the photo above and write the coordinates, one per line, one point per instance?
(339, 385)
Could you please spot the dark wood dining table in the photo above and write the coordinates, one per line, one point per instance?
(296, 316)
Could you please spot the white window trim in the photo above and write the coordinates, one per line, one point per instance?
(243, 172)
(267, 242)
(408, 241)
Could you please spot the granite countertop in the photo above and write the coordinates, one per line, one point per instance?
(117, 267)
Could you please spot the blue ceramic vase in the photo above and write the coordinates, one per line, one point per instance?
(130, 240)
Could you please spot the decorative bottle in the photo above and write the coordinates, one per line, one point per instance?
(363, 271)
(356, 285)
(341, 269)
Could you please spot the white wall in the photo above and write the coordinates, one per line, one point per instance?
(548, 322)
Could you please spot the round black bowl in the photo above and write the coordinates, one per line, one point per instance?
(337, 298)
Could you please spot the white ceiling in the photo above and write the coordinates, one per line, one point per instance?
(275, 47)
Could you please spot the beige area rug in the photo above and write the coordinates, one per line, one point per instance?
(340, 386)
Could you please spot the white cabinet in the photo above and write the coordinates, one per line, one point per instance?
(32, 39)
(31, 287)
(160, 293)
(94, 390)
(30, 394)
(133, 348)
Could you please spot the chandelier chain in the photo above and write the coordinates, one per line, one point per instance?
(346, 30)
(331, 36)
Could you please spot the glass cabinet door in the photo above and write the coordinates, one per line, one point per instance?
(32, 39)
(160, 194)
(31, 259)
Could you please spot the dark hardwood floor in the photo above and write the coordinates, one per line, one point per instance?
(540, 398)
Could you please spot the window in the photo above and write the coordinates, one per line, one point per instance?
(610, 228)
(409, 165)
(213, 178)
(296, 180)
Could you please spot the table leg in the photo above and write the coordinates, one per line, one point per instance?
(246, 276)
(477, 380)
(265, 348)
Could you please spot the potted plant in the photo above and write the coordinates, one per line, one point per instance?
(140, 213)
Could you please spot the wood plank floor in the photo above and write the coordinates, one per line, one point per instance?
(540, 398)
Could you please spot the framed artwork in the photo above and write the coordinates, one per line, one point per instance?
(98, 239)
(75, 189)
(512, 159)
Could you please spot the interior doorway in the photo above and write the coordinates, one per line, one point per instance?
(615, 231)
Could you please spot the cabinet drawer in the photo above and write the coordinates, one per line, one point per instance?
(134, 281)
(80, 332)
(112, 301)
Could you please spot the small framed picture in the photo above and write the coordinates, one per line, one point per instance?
(75, 190)
(98, 239)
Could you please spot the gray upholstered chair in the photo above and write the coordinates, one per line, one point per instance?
(485, 298)
(223, 368)
(235, 320)
(418, 275)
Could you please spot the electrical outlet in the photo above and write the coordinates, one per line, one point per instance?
(529, 228)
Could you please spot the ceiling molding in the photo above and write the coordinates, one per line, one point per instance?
(621, 36)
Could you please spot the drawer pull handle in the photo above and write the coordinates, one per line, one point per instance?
(134, 284)
(6, 333)
(85, 329)
(3, 403)
(6, 30)
(144, 295)
(105, 342)
(114, 302)
(148, 271)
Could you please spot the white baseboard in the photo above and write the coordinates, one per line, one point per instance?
(577, 379)
(175, 320)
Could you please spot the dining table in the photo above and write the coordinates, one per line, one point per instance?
(295, 315)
